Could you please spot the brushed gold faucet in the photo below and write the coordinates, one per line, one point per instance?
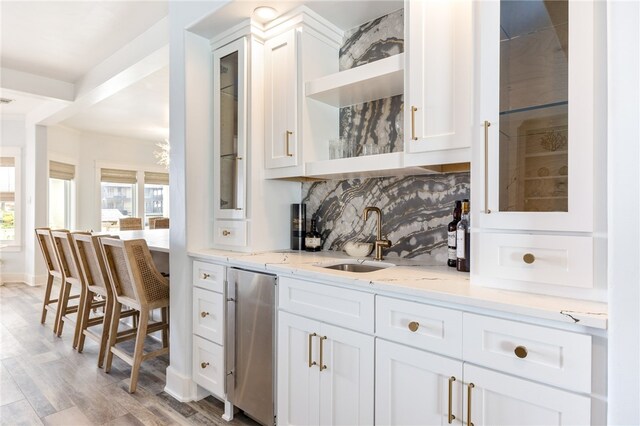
(380, 243)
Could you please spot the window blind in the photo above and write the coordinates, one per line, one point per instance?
(62, 171)
(7, 161)
(118, 176)
(156, 178)
(7, 197)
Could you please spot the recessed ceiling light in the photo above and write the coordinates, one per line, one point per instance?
(5, 101)
(265, 13)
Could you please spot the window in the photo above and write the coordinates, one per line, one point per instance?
(61, 188)
(156, 195)
(9, 197)
(118, 197)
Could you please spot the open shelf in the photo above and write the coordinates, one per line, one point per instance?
(389, 164)
(375, 80)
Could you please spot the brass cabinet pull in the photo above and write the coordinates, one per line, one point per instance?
(487, 124)
(521, 351)
(528, 258)
(311, 336)
(322, 365)
(204, 365)
(226, 233)
(205, 275)
(470, 386)
(451, 417)
(413, 326)
(413, 123)
(204, 314)
(287, 138)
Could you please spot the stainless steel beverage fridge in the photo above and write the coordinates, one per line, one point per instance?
(250, 348)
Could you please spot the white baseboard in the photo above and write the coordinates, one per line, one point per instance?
(35, 280)
(12, 278)
(31, 280)
(179, 386)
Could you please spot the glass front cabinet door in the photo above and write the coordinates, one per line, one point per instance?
(230, 129)
(534, 154)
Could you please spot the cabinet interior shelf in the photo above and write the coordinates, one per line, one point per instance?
(533, 107)
(557, 197)
(546, 154)
(376, 80)
(546, 177)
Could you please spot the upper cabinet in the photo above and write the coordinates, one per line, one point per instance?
(281, 100)
(439, 81)
(230, 129)
(537, 115)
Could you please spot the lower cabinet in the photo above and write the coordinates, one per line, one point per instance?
(414, 387)
(325, 373)
(499, 399)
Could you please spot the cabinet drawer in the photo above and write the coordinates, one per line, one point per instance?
(557, 357)
(427, 327)
(208, 366)
(230, 233)
(546, 259)
(208, 276)
(208, 315)
(347, 308)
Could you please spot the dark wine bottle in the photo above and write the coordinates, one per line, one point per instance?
(451, 235)
(313, 239)
(463, 239)
(298, 226)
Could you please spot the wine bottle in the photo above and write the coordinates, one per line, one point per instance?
(298, 224)
(313, 239)
(463, 237)
(451, 235)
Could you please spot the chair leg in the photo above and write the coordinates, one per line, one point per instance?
(143, 321)
(47, 298)
(165, 329)
(106, 326)
(82, 302)
(113, 334)
(63, 303)
(83, 318)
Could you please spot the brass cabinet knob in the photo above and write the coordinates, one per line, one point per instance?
(226, 233)
(521, 351)
(205, 276)
(204, 364)
(204, 314)
(413, 326)
(528, 258)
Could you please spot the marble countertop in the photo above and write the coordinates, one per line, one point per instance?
(410, 278)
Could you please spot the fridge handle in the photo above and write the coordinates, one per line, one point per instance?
(230, 332)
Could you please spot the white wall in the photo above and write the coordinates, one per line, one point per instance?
(624, 204)
(13, 134)
(88, 150)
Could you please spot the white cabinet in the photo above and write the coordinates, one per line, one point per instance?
(538, 121)
(498, 399)
(415, 387)
(208, 316)
(280, 100)
(538, 207)
(325, 373)
(439, 81)
(247, 210)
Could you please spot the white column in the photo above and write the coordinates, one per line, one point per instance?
(624, 206)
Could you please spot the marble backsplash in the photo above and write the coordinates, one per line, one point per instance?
(379, 122)
(415, 211)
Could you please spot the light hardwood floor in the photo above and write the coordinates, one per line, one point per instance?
(44, 381)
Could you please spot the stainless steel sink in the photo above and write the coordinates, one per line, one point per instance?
(358, 266)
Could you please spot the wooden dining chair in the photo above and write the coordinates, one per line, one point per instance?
(159, 223)
(131, 224)
(96, 279)
(72, 278)
(54, 273)
(137, 283)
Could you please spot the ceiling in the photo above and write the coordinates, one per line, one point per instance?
(64, 40)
